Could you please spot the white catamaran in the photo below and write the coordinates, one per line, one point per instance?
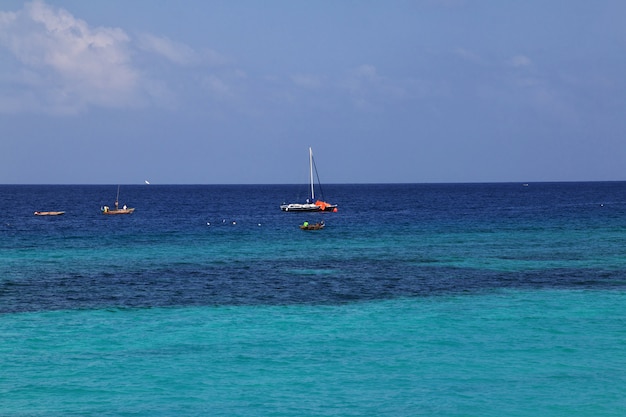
(310, 205)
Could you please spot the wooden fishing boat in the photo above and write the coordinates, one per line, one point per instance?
(49, 213)
(315, 226)
(319, 205)
(117, 209)
(123, 210)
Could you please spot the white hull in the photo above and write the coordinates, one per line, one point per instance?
(299, 207)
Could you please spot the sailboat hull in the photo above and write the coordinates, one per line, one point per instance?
(295, 207)
(324, 206)
(318, 206)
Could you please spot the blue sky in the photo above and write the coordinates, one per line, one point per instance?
(228, 92)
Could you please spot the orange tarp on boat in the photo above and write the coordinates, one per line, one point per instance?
(324, 205)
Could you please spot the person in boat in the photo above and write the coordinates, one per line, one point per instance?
(105, 208)
(305, 224)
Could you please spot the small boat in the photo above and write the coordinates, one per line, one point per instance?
(319, 205)
(117, 209)
(315, 226)
(49, 213)
(123, 210)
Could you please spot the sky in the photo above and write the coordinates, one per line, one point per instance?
(235, 92)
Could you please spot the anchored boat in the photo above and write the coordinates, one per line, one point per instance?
(117, 209)
(49, 213)
(318, 205)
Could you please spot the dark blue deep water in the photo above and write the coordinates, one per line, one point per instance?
(416, 299)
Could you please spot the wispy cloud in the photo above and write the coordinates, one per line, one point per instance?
(216, 86)
(519, 61)
(468, 55)
(174, 51)
(178, 52)
(306, 81)
(370, 90)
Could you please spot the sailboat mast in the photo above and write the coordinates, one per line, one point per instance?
(311, 173)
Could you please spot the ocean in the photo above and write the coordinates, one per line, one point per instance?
(415, 299)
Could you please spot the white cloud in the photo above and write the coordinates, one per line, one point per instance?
(216, 86)
(174, 51)
(306, 81)
(367, 72)
(361, 79)
(519, 61)
(177, 52)
(468, 55)
(370, 90)
(76, 65)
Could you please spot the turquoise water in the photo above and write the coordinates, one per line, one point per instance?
(446, 300)
(519, 353)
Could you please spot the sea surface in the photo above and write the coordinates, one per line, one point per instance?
(502, 299)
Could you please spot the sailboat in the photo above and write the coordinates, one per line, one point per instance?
(318, 205)
(117, 209)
